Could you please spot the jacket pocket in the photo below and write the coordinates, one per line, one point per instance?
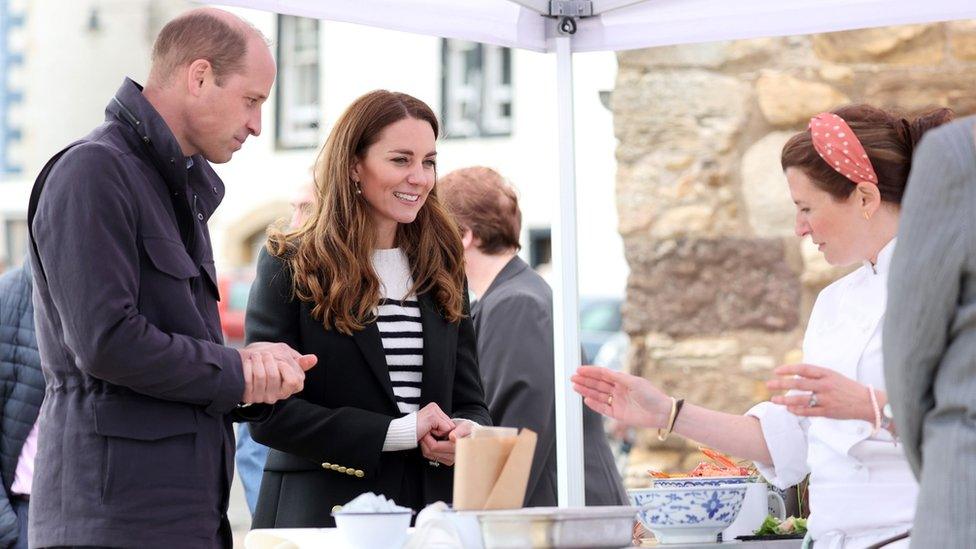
(170, 257)
(150, 448)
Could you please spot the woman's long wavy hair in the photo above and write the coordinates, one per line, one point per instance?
(330, 253)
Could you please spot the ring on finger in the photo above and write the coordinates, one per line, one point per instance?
(812, 403)
(434, 463)
(610, 401)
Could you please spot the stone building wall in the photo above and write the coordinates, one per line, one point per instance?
(720, 288)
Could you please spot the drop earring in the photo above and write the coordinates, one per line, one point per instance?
(359, 189)
(867, 216)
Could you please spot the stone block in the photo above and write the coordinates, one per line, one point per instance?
(656, 340)
(653, 200)
(914, 90)
(691, 287)
(757, 363)
(681, 111)
(962, 39)
(787, 101)
(697, 353)
(836, 73)
(768, 204)
(902, 45)
(690, 219)
(709, 55)
(676, 129)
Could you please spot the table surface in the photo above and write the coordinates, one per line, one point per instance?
(770, 544)
(328, 537)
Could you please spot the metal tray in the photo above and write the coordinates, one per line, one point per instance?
(557, 527)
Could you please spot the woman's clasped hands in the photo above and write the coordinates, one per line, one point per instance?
(822, 392)
(437, 434)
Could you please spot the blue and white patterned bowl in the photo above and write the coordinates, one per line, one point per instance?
(696, 482)
(688, 515)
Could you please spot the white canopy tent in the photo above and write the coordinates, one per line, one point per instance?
(567, 26)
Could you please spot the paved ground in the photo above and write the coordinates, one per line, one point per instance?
(240, 517)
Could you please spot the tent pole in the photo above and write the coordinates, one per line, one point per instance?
(569, 412)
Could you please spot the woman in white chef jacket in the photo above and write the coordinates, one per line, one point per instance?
(846, 173)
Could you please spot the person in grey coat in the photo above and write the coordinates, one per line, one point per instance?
(22, 390)
(930, 335)
(513, 323)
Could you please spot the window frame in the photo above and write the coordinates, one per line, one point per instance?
(489, 93)
(288, 112)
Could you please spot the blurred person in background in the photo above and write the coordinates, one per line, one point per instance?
(21, 394)
(513, 323)
(251, 455)
(372, 284)
(847, 174)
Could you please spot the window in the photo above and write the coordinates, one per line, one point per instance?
(11, 60)
(476, 89)
(540, 247)
(297, 124)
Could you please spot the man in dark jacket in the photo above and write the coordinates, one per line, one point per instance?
(136, 447)
(513, 322)
(21, 393)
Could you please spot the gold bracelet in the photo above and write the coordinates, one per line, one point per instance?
(662, 435)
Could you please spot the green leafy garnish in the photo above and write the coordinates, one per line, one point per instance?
(773, 526)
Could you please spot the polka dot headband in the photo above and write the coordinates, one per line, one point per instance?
(840, 148)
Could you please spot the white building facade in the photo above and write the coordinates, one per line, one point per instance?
(497, 108)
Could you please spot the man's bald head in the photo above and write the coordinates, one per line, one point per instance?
(204, 33)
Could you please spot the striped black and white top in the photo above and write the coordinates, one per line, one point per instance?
(403, 343)
(400, 327)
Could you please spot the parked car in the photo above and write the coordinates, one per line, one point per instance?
(234, 287)
(601, 335)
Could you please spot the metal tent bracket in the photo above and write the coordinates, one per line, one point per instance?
(568, 11)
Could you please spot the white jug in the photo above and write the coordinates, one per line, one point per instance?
(759, 502)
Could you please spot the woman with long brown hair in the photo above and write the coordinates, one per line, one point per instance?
(847, 174)
(373, 284)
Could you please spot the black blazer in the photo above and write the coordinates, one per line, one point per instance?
(327, 441)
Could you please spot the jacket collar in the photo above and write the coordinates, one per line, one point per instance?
(371, 345)
(130, 107)
(884, 259)
(508, 272)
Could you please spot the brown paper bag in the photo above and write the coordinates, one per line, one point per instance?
(491, 469)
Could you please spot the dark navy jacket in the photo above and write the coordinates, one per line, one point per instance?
(136, 443)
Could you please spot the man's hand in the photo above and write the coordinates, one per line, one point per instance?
(433, 424)
(431, 419)
(273, 372)
(442, 448)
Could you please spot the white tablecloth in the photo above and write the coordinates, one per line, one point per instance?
(317, 538)
(294, 538)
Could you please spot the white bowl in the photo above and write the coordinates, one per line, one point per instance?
(372, 530)
(688, 515)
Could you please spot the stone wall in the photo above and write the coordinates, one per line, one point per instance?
(720, 288)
